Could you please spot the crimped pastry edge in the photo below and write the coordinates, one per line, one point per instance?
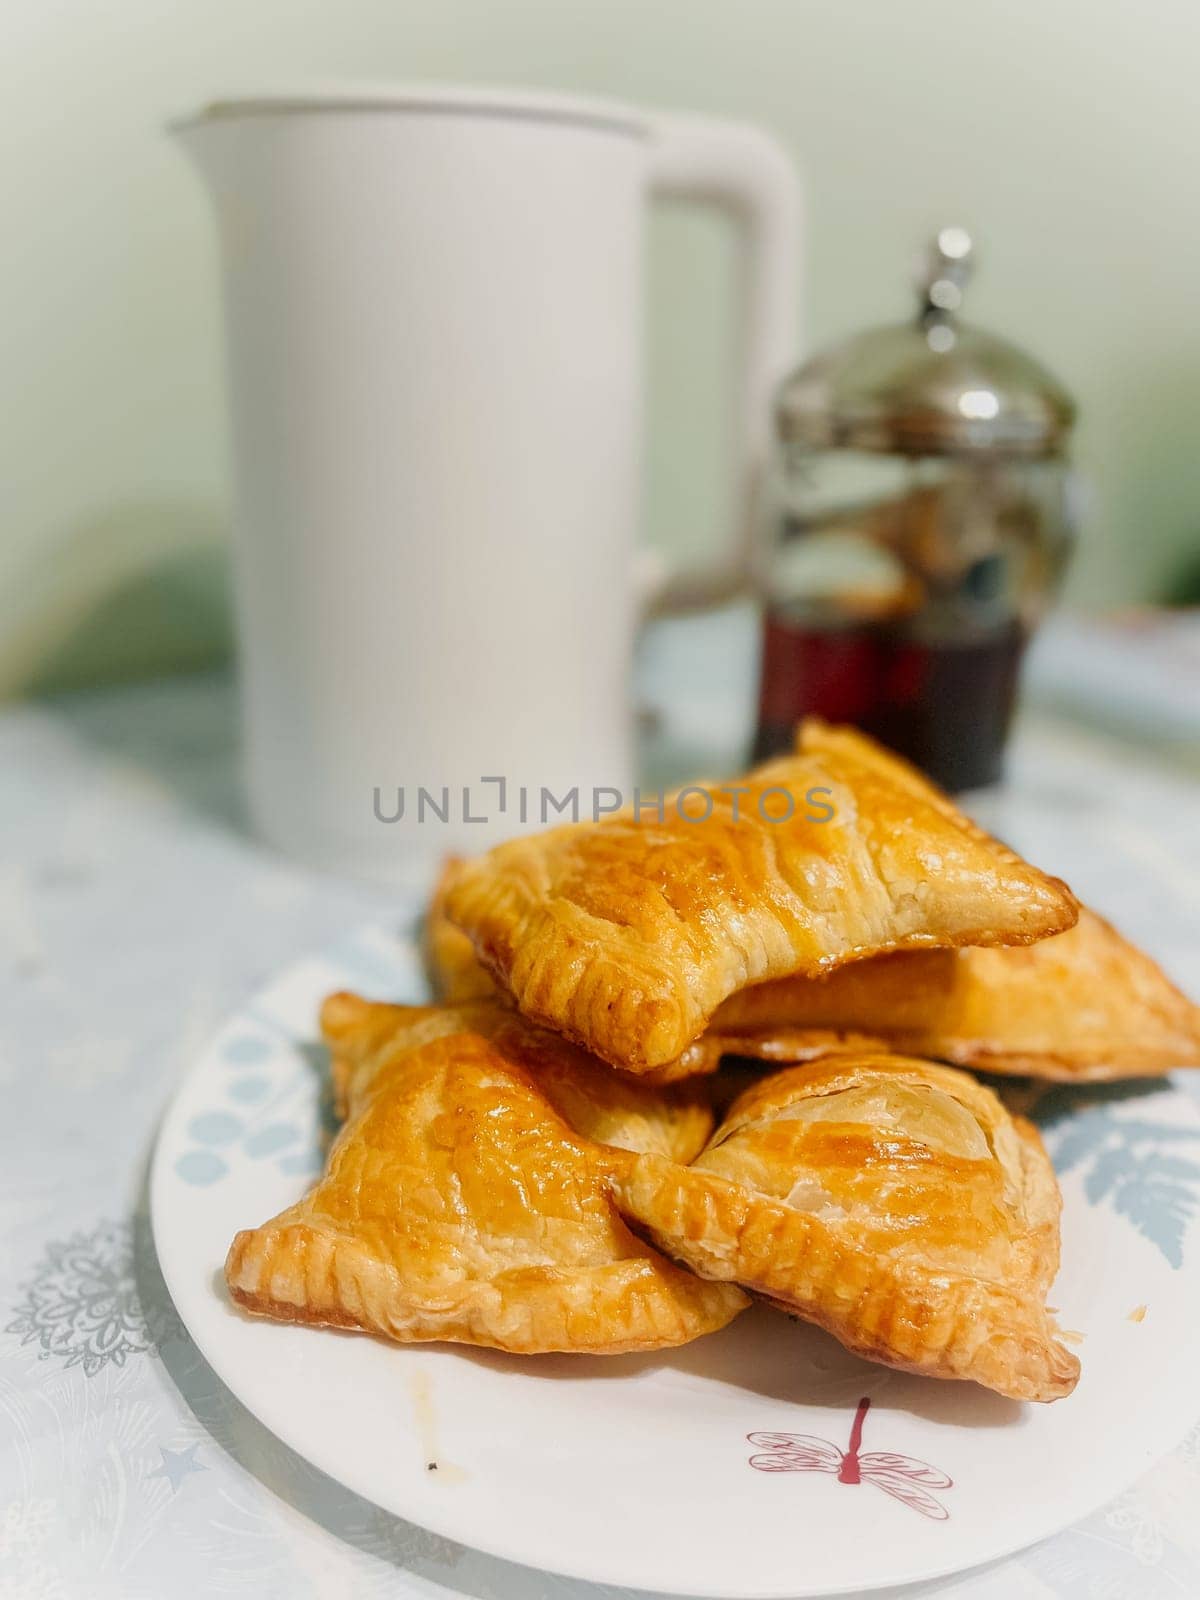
(989, 1333)
(336, 1273)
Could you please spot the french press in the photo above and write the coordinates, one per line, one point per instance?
(919, 519)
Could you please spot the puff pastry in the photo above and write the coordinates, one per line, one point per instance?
(465, 1200)
(456, 974)
(627, 934)
(893, 1202)
(609, 1107)
(454, 971)
(1084, 1005)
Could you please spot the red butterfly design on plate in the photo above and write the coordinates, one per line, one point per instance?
(903, 1477)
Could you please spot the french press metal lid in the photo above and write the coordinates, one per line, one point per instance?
(932, 386)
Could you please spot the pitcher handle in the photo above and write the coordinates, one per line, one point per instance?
(747, 175)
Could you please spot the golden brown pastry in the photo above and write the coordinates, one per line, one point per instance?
(460, 1202)
(626, 935)
(891, 1201)
(456, 975)
(1084, 1005)
(608, 1107)
(454, 971)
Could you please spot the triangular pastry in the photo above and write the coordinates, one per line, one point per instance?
(628, 933)
(1085, 1005)
(891, 1201)
(465, 1200)
(456, 976)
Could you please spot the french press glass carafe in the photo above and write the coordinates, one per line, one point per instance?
(919, 519)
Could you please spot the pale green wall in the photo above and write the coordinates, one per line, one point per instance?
(1064, 131)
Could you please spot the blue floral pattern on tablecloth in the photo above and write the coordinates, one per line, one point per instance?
(81, 1305)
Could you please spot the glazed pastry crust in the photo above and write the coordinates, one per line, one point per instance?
(891, 1201)
(627, 935)
(454, 971)
(1083, 1006)
(607, 1107)
(456, 975)
(465, 1200)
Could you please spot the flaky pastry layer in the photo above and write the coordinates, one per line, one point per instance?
(1083, 1006)
(465, 1199)
(891, 1201)
(626, 935)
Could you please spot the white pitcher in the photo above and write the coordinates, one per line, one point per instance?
(434, 306)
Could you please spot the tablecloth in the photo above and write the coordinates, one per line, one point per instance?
(135, 912)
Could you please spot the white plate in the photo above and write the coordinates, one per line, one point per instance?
(641, 1471)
